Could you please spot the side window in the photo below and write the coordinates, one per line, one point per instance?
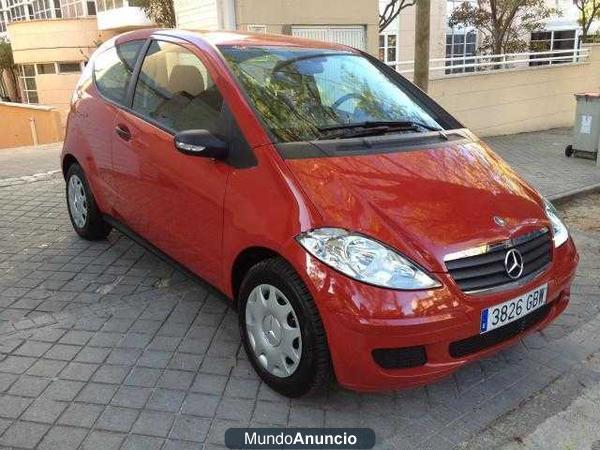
(175, 90)
(113, 69)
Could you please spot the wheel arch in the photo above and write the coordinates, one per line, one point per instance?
(67, 161)
(244, 261)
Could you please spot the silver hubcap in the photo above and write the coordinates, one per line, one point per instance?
(273, 330)
(77, 201)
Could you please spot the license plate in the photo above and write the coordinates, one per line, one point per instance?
(507, 312)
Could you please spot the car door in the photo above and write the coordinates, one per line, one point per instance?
(112, 72)
(174, 200)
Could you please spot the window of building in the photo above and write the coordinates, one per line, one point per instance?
(113, 69)
(2, 19)
(45, 69)
(461, 47)
(544, 41)
(75, 8)
(69, 67)
(175, 90)
(106, 5)
(27, 83)
(461, 42)
(19, 10)
(45, 9)
(388, 47)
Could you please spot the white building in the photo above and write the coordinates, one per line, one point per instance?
(396, 42)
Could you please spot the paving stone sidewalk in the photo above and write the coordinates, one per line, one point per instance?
(104, 346)
(540, 158)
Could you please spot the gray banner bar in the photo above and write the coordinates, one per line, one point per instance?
(300, 438)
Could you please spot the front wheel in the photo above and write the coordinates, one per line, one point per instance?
(281, 330)
(83, 212)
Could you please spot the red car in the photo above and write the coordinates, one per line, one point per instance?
(361, 231)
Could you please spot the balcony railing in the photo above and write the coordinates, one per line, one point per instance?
(485, 63)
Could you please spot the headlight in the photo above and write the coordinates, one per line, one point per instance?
(365, 259)
(559, 230)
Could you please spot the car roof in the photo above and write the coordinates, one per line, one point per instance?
(234, 38)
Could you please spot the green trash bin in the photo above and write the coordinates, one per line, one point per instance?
(586, 132)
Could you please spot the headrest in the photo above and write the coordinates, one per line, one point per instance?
(186, 78)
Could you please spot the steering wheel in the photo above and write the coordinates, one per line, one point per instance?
(345, 98)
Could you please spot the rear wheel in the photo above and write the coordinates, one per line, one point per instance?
(85, 216)
(282, 331)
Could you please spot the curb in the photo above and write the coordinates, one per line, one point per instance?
(566, 197)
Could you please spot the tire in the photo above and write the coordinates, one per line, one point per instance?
(569, 151)
(89, 225)
(312, 371)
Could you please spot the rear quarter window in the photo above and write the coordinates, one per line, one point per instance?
(113, 69)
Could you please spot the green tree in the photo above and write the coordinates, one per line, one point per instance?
(7, 64)
(505, 24)
(589, 10)
(161, 12)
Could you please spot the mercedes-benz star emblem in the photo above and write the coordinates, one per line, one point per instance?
(513, 263)
(499, 221)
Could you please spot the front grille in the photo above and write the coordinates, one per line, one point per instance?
(480, 342)
(400, 358)
(486, 270)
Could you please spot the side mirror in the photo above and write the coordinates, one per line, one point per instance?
(201, 143)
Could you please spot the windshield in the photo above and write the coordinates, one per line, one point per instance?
(306, 94)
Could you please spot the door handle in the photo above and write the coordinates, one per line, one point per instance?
(123, 132)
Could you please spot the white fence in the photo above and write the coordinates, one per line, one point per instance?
(511, 61)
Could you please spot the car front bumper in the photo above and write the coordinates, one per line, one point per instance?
(359, 319)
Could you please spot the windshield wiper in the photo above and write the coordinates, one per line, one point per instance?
(380, 123)
(372, 128)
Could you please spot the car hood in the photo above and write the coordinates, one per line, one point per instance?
(426, 203)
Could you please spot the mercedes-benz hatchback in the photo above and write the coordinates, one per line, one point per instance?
(359, 229)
